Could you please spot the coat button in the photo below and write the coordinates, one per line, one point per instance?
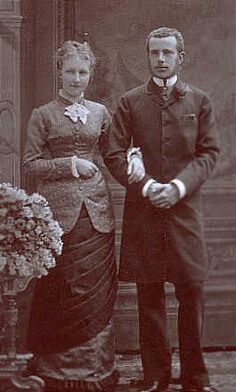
(166, 137)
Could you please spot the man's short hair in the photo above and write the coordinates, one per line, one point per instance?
(167, 32)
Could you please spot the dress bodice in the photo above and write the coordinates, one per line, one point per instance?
(53, 139)
(84, 146)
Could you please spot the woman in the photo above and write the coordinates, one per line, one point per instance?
(70, 331)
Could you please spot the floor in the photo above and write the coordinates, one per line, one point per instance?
(221, 365)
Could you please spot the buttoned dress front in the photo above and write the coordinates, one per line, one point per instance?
(51, 142)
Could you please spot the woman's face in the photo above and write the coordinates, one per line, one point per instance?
(75, 75)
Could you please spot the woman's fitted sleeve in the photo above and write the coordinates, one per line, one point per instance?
(36, 159)
(116, 144)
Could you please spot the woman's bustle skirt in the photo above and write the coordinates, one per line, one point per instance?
(72, 308)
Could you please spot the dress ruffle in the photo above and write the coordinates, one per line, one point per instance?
(105, 385)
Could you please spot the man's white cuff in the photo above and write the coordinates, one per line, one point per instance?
(181, 187)
(146, 186)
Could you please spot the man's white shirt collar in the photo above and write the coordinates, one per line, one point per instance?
(169, 82)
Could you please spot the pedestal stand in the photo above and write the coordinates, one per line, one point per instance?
(12, 365)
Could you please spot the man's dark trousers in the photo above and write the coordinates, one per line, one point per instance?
(153, 333)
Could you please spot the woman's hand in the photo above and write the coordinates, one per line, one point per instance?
(136, 170)
(86, 168)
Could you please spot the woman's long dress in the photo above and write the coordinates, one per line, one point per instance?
(70, 330)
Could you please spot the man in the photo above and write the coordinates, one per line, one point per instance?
(173, 126)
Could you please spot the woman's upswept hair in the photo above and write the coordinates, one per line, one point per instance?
(167, 32)
(72, 48)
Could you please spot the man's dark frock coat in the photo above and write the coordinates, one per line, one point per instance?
(178, 139)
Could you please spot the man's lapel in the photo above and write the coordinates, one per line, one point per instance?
(179, 90)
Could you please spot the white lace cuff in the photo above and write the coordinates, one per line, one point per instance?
(74, 170)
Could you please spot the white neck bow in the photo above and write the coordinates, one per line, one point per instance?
(77, 111)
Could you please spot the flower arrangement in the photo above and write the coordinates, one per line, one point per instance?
(29, 236)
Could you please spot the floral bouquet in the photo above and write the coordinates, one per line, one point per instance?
(29, 236)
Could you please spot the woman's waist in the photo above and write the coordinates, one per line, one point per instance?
(80, 153)
(94, 185)
(72, 145)
(66, 199)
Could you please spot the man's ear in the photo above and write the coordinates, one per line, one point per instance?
(181, 57)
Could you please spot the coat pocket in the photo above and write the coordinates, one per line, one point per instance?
(188, 120)
(188, 125)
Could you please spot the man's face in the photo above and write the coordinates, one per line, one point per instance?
(164, 57)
